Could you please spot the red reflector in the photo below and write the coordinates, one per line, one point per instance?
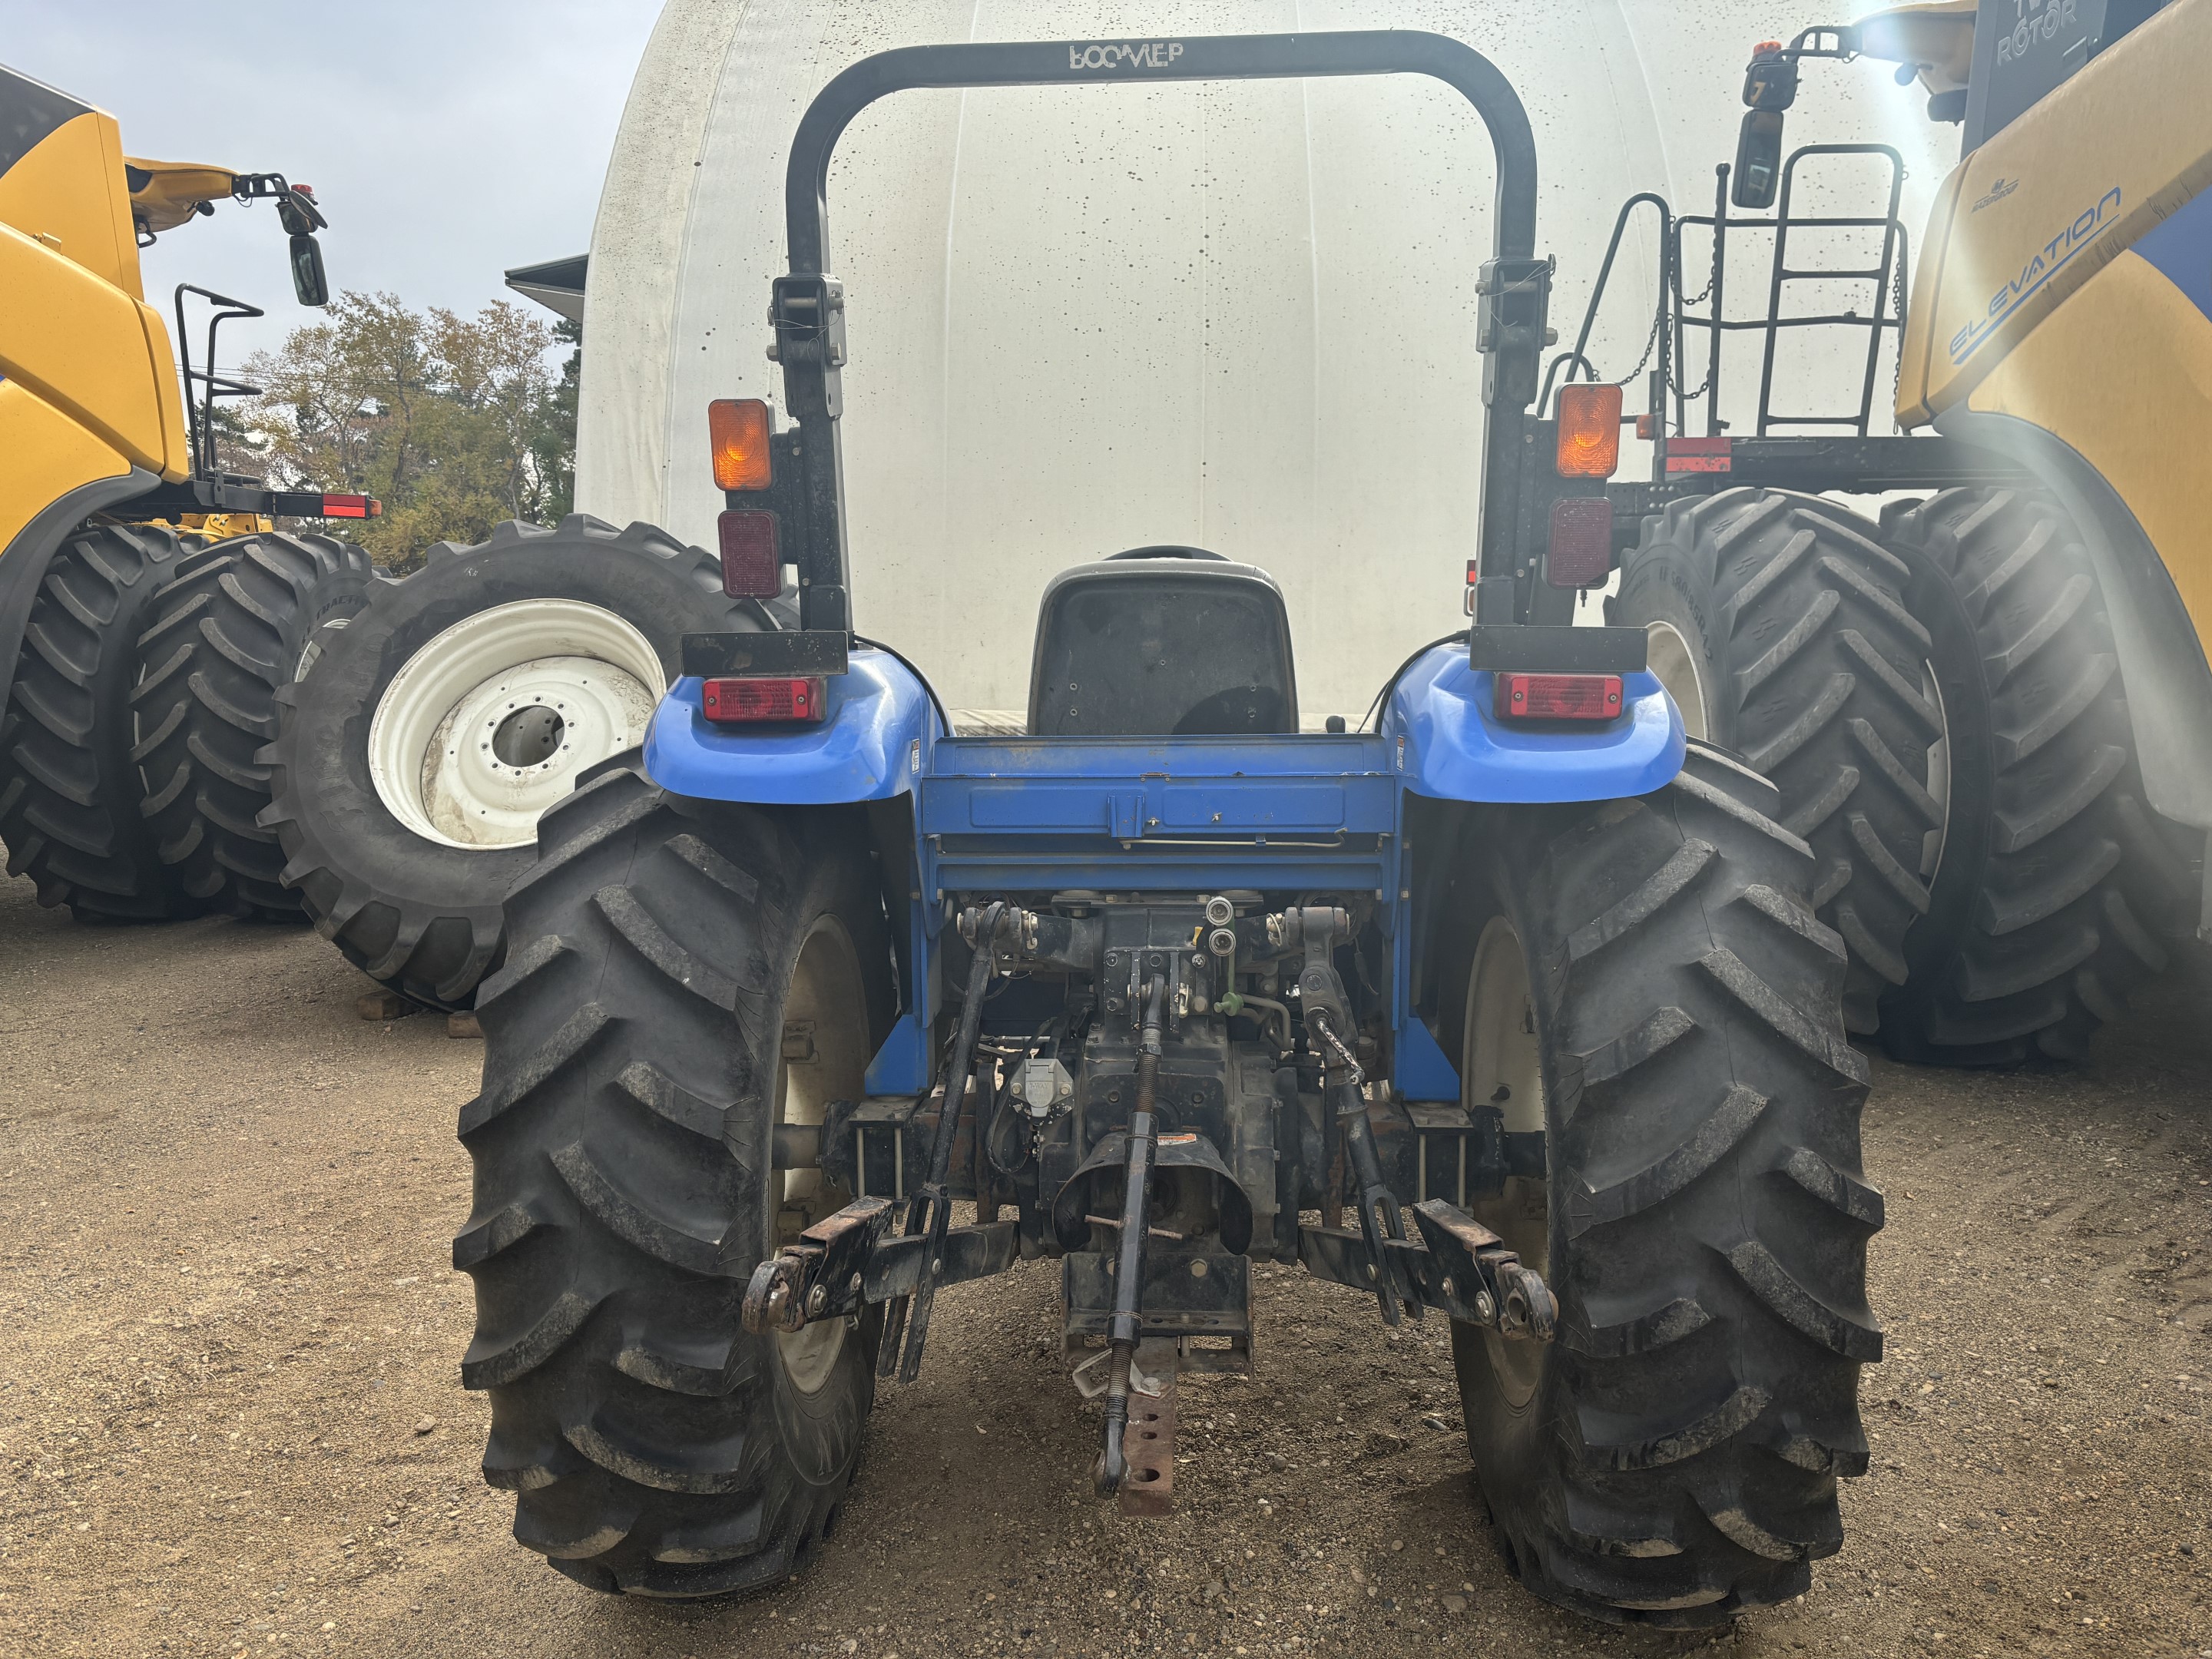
(1698, 454)
(1581, 554)
(1557, 696)
(350, 507)
(752, 567)
(734, 701)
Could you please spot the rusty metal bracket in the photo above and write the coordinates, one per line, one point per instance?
(1457, 1266)
(1147, 1492)
(847, 1262)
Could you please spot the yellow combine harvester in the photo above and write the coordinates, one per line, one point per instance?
(1989, 710)
(138, 665)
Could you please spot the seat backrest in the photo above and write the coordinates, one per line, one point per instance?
(1163, 642)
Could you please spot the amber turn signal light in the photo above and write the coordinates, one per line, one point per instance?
(738, 428)
(1589, 430)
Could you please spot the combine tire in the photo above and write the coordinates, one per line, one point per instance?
(70, 786)
(2059, 889)
(410, 767)
(683, 977)
(234, 626)
(1779, 625)
(1644, 983)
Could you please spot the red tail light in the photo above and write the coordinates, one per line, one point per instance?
(1558, 696)
(352, 507)
(738, 701)
(752, 565)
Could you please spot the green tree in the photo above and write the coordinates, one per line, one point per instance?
(453, 423)
(553, 447)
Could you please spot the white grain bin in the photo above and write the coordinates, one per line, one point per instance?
(1235, 315)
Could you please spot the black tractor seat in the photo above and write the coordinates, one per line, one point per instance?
(1160, 641)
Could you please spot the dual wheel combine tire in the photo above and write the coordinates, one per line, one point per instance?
(145, 688)
(1779, 623)
(70, 789)
(410, 768)
(1938, 698)
(2060, 889)
(236, 624)
(1671, 1459)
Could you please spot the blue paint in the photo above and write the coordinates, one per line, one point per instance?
(865, 748)
(2181, 247)
(1451, 747)
(1424, 1073)
(1175, 814)
(902, 1064)
(1305, 813)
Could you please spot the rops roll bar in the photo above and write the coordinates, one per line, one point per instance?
(807, 311)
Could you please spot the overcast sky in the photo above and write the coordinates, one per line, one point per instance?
(446, 140)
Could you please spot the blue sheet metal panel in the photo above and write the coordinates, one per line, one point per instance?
(1159, 813)
(1129, 788)
(1423, 1071)
(1116, 866)
(873, 744)
(1450, 746)
(1310, 754)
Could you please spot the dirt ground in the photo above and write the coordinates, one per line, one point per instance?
(231, 1420)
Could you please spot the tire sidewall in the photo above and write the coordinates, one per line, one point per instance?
(326, 802)
(1661, 584)
(1931, 945)
(821, 1431)
(1513, 1446)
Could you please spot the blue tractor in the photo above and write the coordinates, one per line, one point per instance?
(1510, 1010)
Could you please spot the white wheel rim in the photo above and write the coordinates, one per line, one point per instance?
(491, 722)
(1677, 666)
(312, 650)
(824, 1058)
(1939, 779)
(1502, 1065)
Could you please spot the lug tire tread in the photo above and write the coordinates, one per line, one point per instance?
(1680, 1461)
(421, 916)
(622, 1157)
(69, 800)
(1814, 672)
(2035, 936)
(225, 635)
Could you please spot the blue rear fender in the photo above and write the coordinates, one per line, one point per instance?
(880, 733)
(1450, 746)
(873, 743)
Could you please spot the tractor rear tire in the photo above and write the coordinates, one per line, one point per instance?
(232, 628)
(2060, 889)
(70, 786)
(1644, 983)
(403, 832)
(684, 976)
(1779, 623)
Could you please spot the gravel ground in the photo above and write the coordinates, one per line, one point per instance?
(230, 1417)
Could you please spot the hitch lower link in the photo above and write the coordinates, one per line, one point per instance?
(1456, 1266)
(843, 1263)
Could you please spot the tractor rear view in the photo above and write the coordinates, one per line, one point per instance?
(1513, 1010)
